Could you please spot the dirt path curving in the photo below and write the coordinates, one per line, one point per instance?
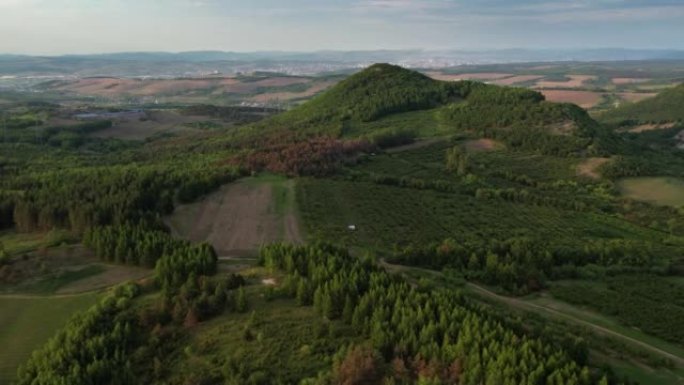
(527, 306)
(600, 329)
(590, 167)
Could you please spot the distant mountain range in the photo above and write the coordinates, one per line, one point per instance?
(208, 62)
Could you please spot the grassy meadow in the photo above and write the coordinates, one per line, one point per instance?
(26, 323)
(656, 190)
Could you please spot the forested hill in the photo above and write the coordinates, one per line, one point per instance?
(377, 91)
(389, 104)
(667, 106)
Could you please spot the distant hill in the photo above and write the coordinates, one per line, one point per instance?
(390, 104)
(667, 106)
(373, 93)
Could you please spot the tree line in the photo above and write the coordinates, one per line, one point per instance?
(414, 336)
(80, 198)
(522, 265)
(121, 342)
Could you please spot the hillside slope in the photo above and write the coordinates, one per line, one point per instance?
(667, 106)
(373, 93)
(390, 104)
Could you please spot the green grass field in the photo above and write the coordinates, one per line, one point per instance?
(657, 190)
(26, 323)
(18, 243)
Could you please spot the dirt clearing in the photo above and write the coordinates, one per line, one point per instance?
(590, 167)
(240, 217)
(650, 127)
(482, 145)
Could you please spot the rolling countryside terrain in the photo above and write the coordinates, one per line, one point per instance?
(489, 224)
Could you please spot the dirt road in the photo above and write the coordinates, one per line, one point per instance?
(520, 304)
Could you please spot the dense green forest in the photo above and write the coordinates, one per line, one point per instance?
(378, 91)
(643, 301)
(664, 108)
(461, 184)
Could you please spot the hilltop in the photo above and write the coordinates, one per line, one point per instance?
(373, 93)
(390, 105)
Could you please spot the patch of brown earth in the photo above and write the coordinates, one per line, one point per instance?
(575, 81)
(563, 128)
(236, 220)
(651, 127)
(482, 145)
(517, 79)
(589, 168)
(621, 81)
(584, 99)
(468, 76)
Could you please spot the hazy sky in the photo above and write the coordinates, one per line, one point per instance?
(94, 26)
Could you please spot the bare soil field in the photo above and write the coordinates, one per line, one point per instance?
(584, 99)
(650, 127)
(622, 81)
(116, 87)
(589, 168)
(237, 219)
(482, 145)
(517, 79)
(575, 81)
(468, 76)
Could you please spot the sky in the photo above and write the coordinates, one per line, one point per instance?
(52, 27)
